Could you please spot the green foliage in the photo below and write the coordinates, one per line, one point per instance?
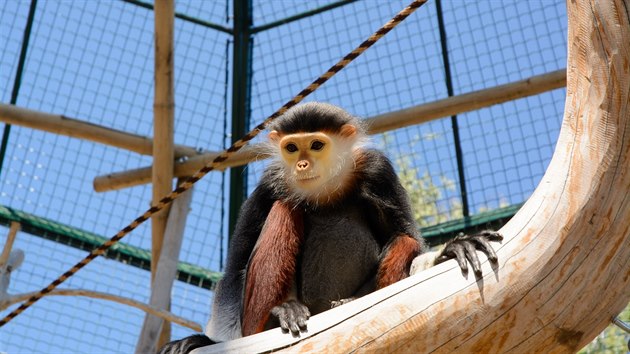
(612, 340)
(427, 202)
(503, 202)
(425, 195)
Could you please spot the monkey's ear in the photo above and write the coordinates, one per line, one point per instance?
(274, 136)
(347, 130)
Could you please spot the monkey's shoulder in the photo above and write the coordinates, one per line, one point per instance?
(377, 181)
(373, 166)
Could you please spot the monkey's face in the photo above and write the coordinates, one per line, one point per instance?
(307, 158)
(315, 161)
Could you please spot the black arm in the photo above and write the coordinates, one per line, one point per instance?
(225, 323)
(388, 201)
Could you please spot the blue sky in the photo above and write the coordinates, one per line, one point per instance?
(93, 60)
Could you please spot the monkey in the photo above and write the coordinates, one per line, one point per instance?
(328, 222)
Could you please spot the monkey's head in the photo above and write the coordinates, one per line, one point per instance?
(315, 145)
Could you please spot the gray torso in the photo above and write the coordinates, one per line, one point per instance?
(339, 254)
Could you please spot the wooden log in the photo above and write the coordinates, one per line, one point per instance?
(126, 179)
(377, 124)
(74, 128)
(564, 267)
(163, 121)
(467, 102)
(9, 260)
(8, 245)
(165, 273)
(163, 132)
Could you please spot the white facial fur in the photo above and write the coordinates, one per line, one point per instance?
(317, 166)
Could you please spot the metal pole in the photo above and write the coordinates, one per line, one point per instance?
(18, 78)
(302, 15)
(454, 125)
(241, 88)
(183, 17)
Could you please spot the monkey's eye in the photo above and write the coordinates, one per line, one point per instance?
(290, 147)
(317, 145)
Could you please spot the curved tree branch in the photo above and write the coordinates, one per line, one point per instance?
(104, 296)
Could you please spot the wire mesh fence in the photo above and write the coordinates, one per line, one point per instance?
(500, 166)
(93, 61)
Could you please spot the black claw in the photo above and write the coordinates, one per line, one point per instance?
(302, 322)
(486, 248)
(464, 249)
(441, 258)
(471, 255)
(491, 235)
(294, 328)
(292, 316)
(460, 256)
(336, 303)
(292, 325)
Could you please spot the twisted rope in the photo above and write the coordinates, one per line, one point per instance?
(184, 186)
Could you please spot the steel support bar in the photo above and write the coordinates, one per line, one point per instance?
(241, 88)
(454, 124)
(18, 78)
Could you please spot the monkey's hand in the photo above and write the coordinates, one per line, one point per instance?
(292, 316)
(463, 248)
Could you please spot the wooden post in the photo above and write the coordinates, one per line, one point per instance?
(385, 122)
(6, 249)
(163, 107)
(165, 273)
(9, 260)
(564, 267)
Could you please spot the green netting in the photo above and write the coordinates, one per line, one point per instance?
(88, 241)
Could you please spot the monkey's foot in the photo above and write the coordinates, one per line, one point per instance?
(292, 316)
(335, 303)
(463, 248)
(186, 345)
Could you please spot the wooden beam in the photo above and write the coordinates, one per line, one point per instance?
(8, 246)
(564, 266)
(9, 260)
(467, 102)
(163, 127)
(394, 120)
(166, 272)
(14, 299)
(119, 180)
(74, 128)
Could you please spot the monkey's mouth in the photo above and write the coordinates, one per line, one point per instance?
(306, 178)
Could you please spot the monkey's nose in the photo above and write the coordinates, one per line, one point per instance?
(302, 165)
